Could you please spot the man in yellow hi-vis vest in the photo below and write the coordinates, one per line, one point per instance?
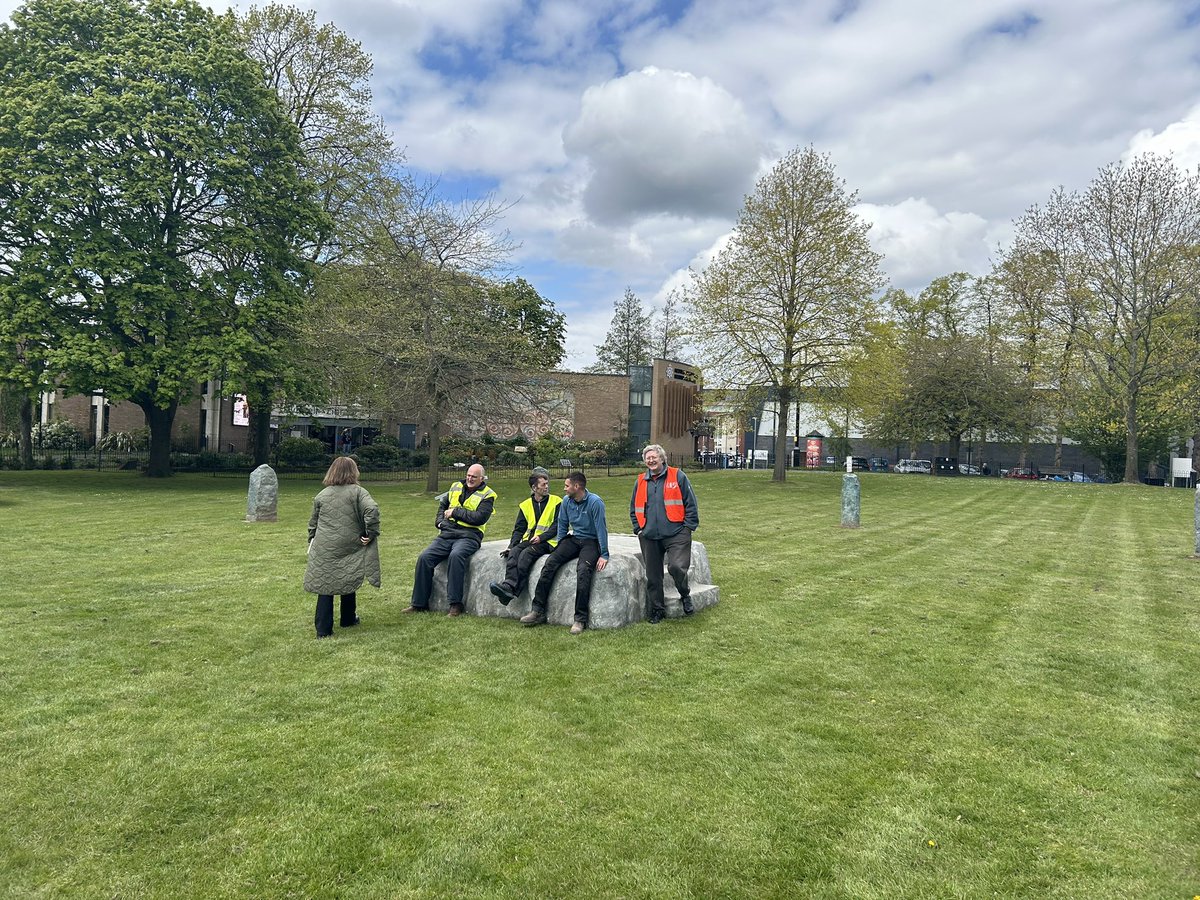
(532, 538)
(462, 518)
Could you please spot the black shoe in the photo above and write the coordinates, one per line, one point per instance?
(656, 617)
(503, 594)
(688, 608)
(350, 624)
(456, 610)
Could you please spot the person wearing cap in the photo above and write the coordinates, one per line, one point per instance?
(533, 536)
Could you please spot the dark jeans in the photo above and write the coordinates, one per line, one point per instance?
(570, 547)
(677, 549)
(323, 620)
(459, 551)
(520, 560)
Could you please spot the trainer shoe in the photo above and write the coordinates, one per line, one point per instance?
(688, 608)
(503, 594)
(577, 628)
(415, 609)
(456, 610)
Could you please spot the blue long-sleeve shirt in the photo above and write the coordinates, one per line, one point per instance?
(585, 518)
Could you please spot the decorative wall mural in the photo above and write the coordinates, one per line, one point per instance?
(528, 412)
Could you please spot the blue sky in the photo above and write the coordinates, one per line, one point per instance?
(628, 132)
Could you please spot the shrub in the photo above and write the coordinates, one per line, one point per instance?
(58, 435)
(378, 456)
(299, 451)
(126, 441)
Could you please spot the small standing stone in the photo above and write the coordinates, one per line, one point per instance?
(851, 501)
(1198, 521)
(263, 496)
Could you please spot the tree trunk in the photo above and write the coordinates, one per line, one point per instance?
(955, 447)
(258, 398)
(779, 473)
(1196, 451)
(26, 436)
(159, 421)
(435, 446)
(1131, 439)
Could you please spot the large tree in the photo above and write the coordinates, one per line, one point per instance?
(627, 342)
(322, 78)
(786, 298)
(168, 193)
(418, 318)
(1124, 253)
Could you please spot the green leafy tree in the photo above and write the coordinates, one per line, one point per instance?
(627, 342)
(784, 301)
(668, 339)
(518, 306)
(1124, 258)
(322, 78)
(165, 194)
(417, 321)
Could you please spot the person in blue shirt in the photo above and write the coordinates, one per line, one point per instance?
(582, 535)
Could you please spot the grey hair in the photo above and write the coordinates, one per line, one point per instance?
(662, 454)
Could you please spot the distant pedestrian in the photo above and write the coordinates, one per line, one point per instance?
(343, 550)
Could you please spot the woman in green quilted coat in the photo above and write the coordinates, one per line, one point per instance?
(343, 546)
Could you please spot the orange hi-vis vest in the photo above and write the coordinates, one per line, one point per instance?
(672, 497)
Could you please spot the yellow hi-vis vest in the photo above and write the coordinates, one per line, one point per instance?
(481, 494)
(542, 524)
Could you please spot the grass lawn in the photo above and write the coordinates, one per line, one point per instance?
(990, 689)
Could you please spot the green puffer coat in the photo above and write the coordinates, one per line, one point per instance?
(338, 562)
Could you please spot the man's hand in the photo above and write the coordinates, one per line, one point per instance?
(504, 552)
(601, 563)
(535, 539)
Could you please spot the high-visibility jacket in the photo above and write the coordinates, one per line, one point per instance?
(672, 497)
(472, 502)
(544, 522)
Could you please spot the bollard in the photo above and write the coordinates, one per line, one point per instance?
(851, 501)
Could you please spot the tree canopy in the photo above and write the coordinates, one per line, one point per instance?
(156, 179)
(782, 304)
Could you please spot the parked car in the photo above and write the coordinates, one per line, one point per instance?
(964, 469)
(859, 463)
(914, 466)
(1023, 472)
(1080, 478)
(878, 464)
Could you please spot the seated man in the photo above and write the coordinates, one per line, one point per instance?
(462, 518)
(582, 533)
(532, 538)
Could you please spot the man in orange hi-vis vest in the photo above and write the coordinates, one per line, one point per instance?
(664, 514)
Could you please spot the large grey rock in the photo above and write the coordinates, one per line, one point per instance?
(263, 497)
(618, 592)
(851, 501)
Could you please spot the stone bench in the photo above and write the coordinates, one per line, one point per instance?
(618, 592)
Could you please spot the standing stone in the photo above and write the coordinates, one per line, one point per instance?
(851, 501)
(1198, 521)
(263, 495)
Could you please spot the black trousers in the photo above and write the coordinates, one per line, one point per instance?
(459, 551)
(520, 560)
(324, 617)
(677, 550)
(569, 548)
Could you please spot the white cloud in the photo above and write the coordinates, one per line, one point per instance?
(1179, 140)
(662, 142)
(919, 243)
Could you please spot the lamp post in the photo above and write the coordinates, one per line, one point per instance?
(754, 431)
